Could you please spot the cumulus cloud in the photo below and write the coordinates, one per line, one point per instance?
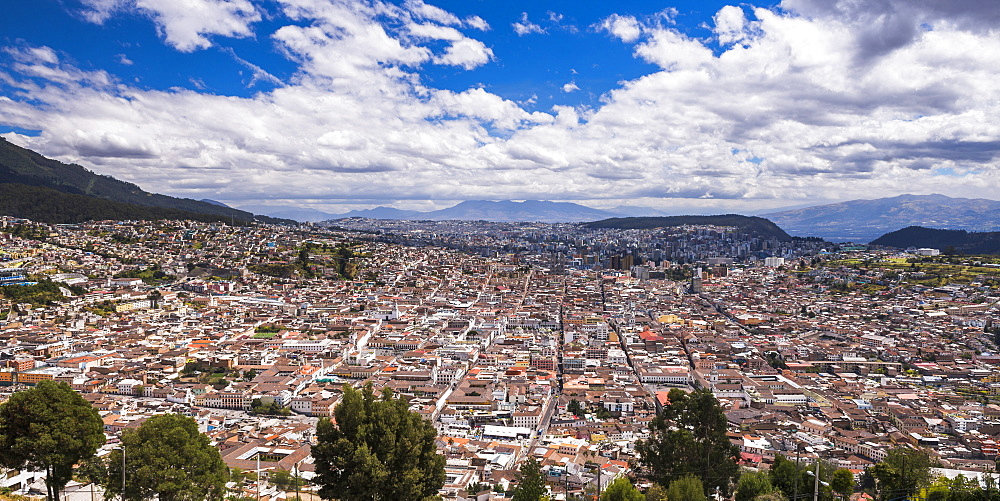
(626, 28)
(730, 25)
(526, 27)
(570, 87)
(780, 103)
(184, 24)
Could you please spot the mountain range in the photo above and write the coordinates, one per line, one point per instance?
(866, 220)
(469, 210)
(35, 187)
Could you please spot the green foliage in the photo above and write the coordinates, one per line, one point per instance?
(962, 488)
(784, 475)
(45, 292)
(377, 450)
(687, 488)
(530, 482)
(50, 428)
(842, 482)
(622, 490)
(656, 492)
(167, 458)
(903, 472)
(258, 407)
(575, 408)
(152, 275)
(753, 484)
(284, 480)
(689, 438)
(26, 230)
(476, 487)
(793, 479)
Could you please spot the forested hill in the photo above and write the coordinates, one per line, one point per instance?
(966, 242)
(750, 224)
(22, 169)
(46, 205)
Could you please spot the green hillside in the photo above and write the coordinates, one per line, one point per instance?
(22, 168)
(50, 206)
(961, 241)
(750, 224)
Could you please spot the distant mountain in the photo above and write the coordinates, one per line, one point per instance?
(214, 202)
(288, 212)
(751, 224)
(22, 168)
(865, 220)
(528, 211)
(636, 211)
(485, 210)
(385, 213)
(961, 241)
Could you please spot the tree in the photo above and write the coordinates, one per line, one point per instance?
(377, 450)
(790, 477)
(622, 490)
(49, 427)
(168, 458)
(656, 492)
(284, 480)
(843, 482)
(753, 484)
(902, 473)
(575, 408)
(530, 482)
(689, 438)
(687, 488)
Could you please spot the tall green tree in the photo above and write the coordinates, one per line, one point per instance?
(530, 482)
(902, 473)
(687, 488)
(843, 482)
(784, 475)
(753, 484)
(168, 458)
(622, 490)
(689, 438)
(50, 428)
(377, 450)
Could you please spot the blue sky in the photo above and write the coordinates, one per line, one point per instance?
(343, 104)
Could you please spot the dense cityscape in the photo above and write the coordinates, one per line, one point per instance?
(549, 342)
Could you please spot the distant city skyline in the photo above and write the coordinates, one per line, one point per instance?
(338, 105)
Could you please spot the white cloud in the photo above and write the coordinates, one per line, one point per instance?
(432, 13)
(123, 59)
(791, 106)
(570, 87)
(526, 27)
(730, 24)
(98, 11)
(626, 28)
(477, 23)
(467, 53)
(184, 24)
